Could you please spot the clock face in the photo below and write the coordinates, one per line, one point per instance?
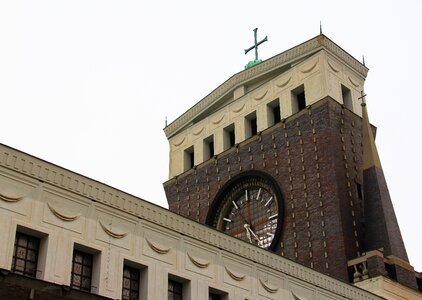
(250, 209)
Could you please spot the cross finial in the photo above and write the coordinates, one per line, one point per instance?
(362, 97)
(363, 59)
(320, 27)
(255, 46)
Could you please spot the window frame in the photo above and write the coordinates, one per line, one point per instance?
(36, 249)
(84, 256)
(134, 293)
(173, 283)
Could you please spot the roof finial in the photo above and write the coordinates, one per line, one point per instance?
(362, 97)
(255, 46)
(320, 27)
(363, 60)
(166, 122)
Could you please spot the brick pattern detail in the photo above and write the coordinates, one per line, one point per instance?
(376, 266)
(405, 277)
(381, 222)
(315, 156)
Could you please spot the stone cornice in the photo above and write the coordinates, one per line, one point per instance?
(22, 164)
(305, 49)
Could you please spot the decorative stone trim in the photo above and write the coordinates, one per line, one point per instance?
(218, 121)
(199, 131)
(268, 288)
(283, 84)
(156, 248)
(333, 67)
(310, 68)
(112, 233)
(197, 263)
(10, 199)
(239, 109)
(260, 97)
(62, 216)
(352, 81)
(234, 276)
(177, 144)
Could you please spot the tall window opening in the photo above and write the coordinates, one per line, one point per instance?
(25, 254)
(273, 112)
(229, 137)
(82, 264)
(175, 290)
(298, 99)
(215, 294)
(134, 281)
(189, 158)
(130, 284)
(347, 97)
(208, 147)
(359, 190)
(251, 126)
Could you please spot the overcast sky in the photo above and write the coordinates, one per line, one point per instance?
(88, 84)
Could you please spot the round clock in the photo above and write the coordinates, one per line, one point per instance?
(249, 207)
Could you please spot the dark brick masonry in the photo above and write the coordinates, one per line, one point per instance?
(315, 156)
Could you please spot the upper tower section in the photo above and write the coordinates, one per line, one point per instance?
(260, 96)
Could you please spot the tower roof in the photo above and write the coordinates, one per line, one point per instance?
(381, 227)
(370, 152)
(276, 64)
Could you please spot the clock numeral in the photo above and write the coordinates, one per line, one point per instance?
(272, 217)
(227, 220)
(259, 194)
(235, 205)
(269, 201)
(246, 195)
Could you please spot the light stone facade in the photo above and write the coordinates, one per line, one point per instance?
(66, 210)
(388, 289)
(318, 66)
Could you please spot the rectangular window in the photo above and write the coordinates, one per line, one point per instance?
(298, 99)
(251, 126)
(359, 190)
(208, 147)
(229, 137)
(273, 112)
(189, 158)
(82, 264)
(130, 284)
(215, 294)
(346, 97)
(25, 254)
(175, 290)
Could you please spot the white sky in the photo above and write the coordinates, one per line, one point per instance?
(87, 84)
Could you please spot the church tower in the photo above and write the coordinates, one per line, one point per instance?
(282, 155)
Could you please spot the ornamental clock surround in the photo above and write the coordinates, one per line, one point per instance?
(249, 207)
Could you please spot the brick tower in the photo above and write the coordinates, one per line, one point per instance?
(278, 149)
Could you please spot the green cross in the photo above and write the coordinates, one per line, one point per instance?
(255, 46)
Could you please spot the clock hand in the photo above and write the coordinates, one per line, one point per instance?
(249, 208)
(249, 230)
(254, 234)
(246, 226)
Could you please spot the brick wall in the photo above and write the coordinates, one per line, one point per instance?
(315, 157)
